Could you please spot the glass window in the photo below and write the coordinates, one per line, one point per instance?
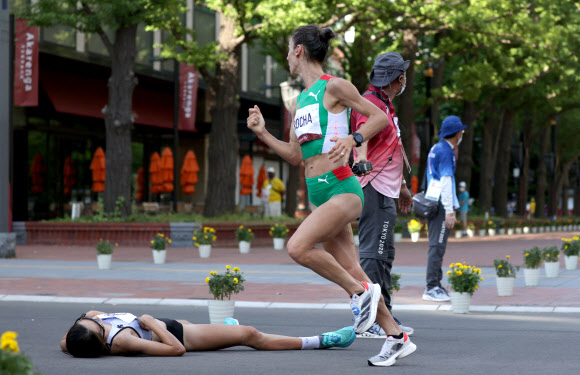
(279, 75)
(256, 69)
(144, 46)
(61, 35)
(95, 44)
(204, 25)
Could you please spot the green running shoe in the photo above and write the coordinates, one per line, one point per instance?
(341, 338)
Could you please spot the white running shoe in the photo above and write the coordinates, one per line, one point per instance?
(364, 307)
(392, 349)
(436, 294)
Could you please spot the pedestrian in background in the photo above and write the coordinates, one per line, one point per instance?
(441, 187)
(385, 182)
(273, 189)
(463, 198)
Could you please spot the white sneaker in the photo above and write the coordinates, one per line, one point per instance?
(364, 307)
(436, 294)
(392, 349)
(375, 332)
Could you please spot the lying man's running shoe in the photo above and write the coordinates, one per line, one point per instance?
(341, 338)
(377, 332)
(392, 349)
(364, 307)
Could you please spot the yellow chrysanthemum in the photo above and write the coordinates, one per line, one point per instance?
(459, 273)
(196, 244)
(249, 230)
(228, 267)
(527, 254)
(116, 244)
(476, 287)
(236, 269)
(576, 238)
(451, 265)
(548, 255)
(152, 241)
(207, 279)
(235, 280)
(168, 240)
(241, 227)
(448, 273)
(194, 238)
(507, 256)
(482, 279)
(9, 335)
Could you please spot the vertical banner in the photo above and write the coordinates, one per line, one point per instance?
(188, 79)
(26, 64)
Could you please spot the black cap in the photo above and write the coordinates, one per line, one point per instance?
(387, 67)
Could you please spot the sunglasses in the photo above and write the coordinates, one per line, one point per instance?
(84, 317)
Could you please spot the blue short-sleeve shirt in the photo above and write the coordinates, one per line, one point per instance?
(441, 162)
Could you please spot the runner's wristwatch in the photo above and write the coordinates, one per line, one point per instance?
(357, 138)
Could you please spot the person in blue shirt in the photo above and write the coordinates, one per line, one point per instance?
(463, 198)
(441, 187)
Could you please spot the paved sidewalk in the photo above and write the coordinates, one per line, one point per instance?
(59, 272)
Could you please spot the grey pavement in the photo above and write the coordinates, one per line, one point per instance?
(478, 343)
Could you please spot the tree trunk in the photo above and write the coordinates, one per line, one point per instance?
(292, 189)
(465, 159)
(577, 197)
(358, 66)
(119, 121)
(560, 181)
(502, 165)
(488, 157)
(223, 142)
(541, 173)
(405, 110)
(527, 132)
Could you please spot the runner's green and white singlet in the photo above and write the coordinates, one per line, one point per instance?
(314, 126)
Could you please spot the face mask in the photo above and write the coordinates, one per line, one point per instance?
(404, 86)
(460, 139)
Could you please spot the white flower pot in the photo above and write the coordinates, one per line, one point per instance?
(510, 231)
(534, 229)
(415, 236)
(526, 230)
(482, 232)
(278, 243)
(458, 234)
(505, 286)
(204, 251)
(553, 228)
(244, 247)
(518, 230)
(356, 240)
(558, 228)
(541, 229)
(470, 233)
(571, 262)
(219, 310)
(491, 232)
(104, 261)
(460, 302)
(552, 269)
(398, 237)
(532, 276)
(501, 231)
(159, 256)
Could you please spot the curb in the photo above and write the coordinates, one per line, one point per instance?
(278, 305)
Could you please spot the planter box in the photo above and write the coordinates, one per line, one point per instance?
(90, 233)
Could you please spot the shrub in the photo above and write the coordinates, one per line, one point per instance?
(414, 226)
(464, 278)
(533, 257)
(159, 242)
(551, 254)
(279, 231)
(105, 247)
(395, 285)
(399, 227)
(204, 236)
(244, 234)
(223, 285)
(571, 246)
(503, 268)
(11, 360)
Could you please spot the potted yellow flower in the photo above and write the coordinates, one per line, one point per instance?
(506, 276)
(571, 248)
(104, 254)
(470, 230)
(551, 261)
(532, 261)
(245, 237)
(158, 246)
(279, 232)
(464, 281)
(11, 360)
(203, 239)
(222, 286)
(414, 228)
